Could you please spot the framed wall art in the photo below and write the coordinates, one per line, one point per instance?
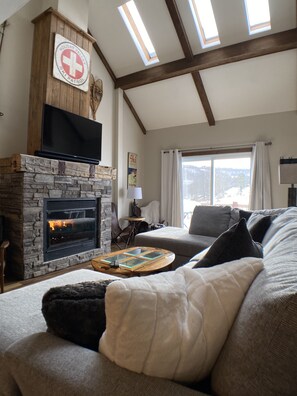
(132, 169)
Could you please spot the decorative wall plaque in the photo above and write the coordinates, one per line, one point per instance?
(71, 63)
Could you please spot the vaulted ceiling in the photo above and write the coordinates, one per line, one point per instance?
(244, 76)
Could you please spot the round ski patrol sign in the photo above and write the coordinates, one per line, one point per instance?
(71, 63)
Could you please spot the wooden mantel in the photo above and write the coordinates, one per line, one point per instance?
(28, 163)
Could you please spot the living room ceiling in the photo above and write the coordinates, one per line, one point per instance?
(243, 76)
(260, 85)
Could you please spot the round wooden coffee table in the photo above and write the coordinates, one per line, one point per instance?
(134, 261)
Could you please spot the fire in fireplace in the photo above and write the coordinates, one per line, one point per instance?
(70, 226)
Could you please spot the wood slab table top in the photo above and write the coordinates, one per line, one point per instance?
(134, 261)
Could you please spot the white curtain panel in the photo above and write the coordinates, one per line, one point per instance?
(260, 197)
(171, 188)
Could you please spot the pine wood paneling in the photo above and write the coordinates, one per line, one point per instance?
(44, 87)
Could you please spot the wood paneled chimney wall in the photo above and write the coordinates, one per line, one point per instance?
(44, 88)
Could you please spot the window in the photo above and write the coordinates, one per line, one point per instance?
(216, 179)
(205, 22)
(139, 34)
(258, 15)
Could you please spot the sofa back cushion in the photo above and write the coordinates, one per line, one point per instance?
(260, 355)
(210, 220)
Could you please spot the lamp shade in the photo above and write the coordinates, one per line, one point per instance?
(288, 171)
(134, 192)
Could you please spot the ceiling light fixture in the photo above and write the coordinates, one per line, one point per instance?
(138, 32)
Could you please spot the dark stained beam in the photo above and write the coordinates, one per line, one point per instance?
(185, 44)
(113, 77)
(179, 28)
(265, 45)
(203, 97)
(134, 113)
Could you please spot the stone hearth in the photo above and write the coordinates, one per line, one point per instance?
(25, 182)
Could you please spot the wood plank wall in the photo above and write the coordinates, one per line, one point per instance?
(44, 88)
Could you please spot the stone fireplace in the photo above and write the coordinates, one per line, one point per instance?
(57, 213)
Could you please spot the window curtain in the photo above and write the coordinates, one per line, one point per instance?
(171, 188)
(260, 197)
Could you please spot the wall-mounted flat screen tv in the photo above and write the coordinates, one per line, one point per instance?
(70, 137)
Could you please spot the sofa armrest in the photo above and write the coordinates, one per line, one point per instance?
(45, 365)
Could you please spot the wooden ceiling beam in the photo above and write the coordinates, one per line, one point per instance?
(127, 100)
(179, 28)
(186, 46)
(114, 79)
(203, 97)
(265, 45)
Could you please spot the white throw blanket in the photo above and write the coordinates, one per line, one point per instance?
(174, 324)
(151, 212)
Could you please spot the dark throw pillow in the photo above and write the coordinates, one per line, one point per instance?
(245, 214)
(259, 229)
(77, 312)
(233, 244)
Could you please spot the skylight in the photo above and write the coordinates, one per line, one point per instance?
(205, 22)
(258, 15)
(138, 32)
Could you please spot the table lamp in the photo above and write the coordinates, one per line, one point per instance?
(134, 193)
(288, 175)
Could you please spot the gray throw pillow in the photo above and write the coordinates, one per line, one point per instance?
(210, 220)
(233, 244)
(77, 312)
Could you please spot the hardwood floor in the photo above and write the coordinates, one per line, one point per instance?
(12, 284)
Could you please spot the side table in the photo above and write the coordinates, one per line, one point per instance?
(135, 223)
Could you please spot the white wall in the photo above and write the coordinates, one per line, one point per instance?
(76, 11)
(15, 71)
(129, 139)
(280, 129)
(134, 142)
(106, 111)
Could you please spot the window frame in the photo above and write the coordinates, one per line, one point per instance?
(258, 27)
(204, 41)
(135, 33)
(215, 154)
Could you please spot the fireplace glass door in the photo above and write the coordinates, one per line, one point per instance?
(70, 227)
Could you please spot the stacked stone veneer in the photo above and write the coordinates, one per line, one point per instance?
(25, 181)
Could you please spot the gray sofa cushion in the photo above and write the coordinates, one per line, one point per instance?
(260, 355)
(46, 365)
(210, 220)
(175, 239)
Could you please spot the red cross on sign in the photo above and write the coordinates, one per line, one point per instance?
(71, 63)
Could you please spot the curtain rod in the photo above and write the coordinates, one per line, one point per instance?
(235, 146)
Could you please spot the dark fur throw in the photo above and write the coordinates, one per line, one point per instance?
(77, 312)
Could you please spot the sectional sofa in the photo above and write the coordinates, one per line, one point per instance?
(207, 223)
(258, 357)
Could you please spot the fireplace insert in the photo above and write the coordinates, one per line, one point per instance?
(70, 226)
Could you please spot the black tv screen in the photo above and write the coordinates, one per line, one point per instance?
(70, 137)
